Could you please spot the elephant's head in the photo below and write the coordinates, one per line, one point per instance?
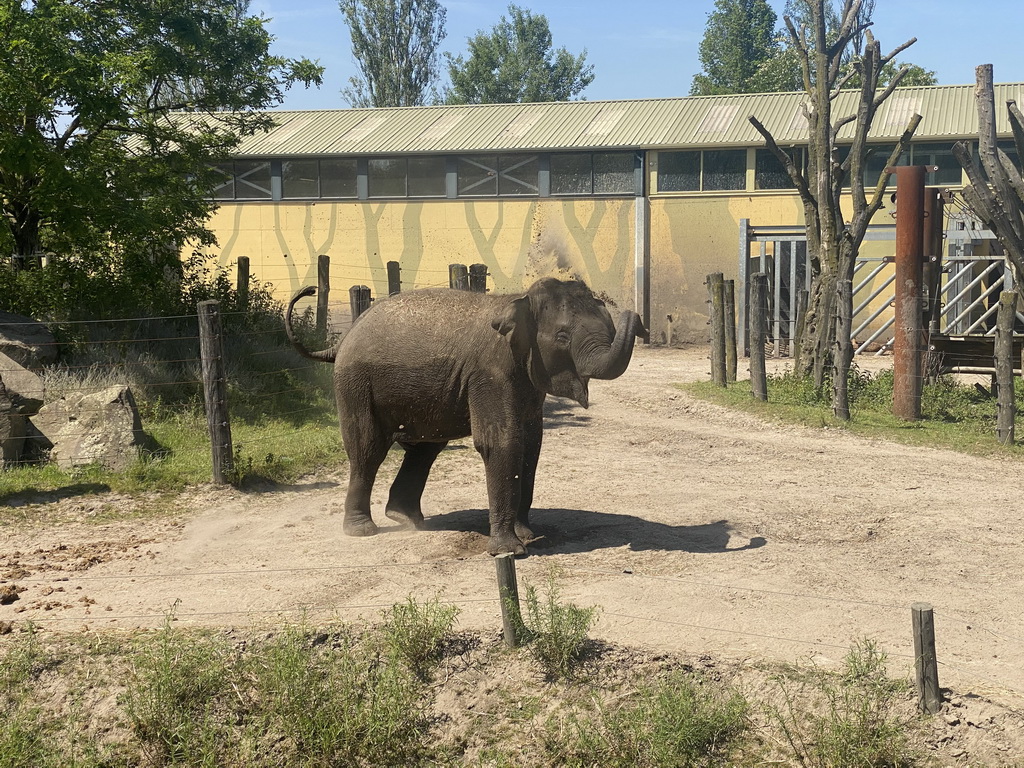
(565, 337)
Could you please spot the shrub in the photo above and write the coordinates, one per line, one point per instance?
(832, 720)
(556, 631)
(416, 633)
(681, 720)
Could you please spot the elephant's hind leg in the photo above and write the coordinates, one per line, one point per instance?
(407, 489)
(366, 449)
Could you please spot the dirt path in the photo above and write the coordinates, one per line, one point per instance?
(695, 529)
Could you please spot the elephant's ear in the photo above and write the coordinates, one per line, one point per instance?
(516, 321)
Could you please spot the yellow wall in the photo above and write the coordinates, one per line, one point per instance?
(518, 240)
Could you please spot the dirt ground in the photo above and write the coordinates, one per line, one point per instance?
(695, 529)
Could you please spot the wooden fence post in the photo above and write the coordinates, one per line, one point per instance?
(758, 330)
(359, 300)
(508, 594)
(730, 331)
(716, 291)
(394, 278)
(242, 283)
(1006, 409)
(323, 289)
(929, 699)
(458, 277)
(215, 390)
(478, 278)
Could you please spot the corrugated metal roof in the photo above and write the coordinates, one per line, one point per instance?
(948, 112)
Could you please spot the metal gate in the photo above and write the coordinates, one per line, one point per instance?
(972, 275)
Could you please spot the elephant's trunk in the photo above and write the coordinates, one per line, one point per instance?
(613, 363)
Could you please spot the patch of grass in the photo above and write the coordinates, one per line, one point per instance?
(416, 633)
(557, 632)
(955, 417)
(326, 699)
(833, 720)
(679, 720)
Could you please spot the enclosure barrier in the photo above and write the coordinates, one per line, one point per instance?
(215, 390)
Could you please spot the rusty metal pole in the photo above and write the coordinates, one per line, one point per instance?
(908, 346)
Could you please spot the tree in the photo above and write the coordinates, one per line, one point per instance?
(395, 44)
(738, 50)
(94, 163)
(515, 63)
(833, 240)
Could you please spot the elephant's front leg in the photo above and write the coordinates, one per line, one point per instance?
(407, 489)
(533, 435)
(502, 452)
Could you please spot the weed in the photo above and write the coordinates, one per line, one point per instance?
(556, 631)
(332, 701)
(416, 633)
(831, 720)
(680, 720)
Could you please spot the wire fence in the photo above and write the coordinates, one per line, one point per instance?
(615, 616)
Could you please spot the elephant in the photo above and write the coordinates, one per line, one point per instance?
(424, 367)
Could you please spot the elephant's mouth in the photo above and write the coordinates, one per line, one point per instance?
(572, 387)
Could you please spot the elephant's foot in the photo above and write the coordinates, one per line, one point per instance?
(359, 526)
(500, 544)
(405, 518)
(524, 532)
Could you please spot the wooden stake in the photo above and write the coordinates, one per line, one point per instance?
(458, 277)
(215, 390)
(323, 290)
(716, 291)
(730, 331)
(1003, 362)
(508, 593)
(758, 324)
(929, 698)
(394, 278)
(242, 283)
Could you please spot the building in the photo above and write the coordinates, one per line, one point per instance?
(639, 198)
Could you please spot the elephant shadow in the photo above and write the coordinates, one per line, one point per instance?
(560, 413)
(568, 531)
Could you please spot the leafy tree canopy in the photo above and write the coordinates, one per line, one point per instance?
(93, 164)
(740, 49)
(394, 43)
(515, 63)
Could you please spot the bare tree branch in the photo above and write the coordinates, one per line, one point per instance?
(791, 168)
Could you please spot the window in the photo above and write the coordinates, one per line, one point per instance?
(387, 177)
(614, 173)
(949, 172)
(427, 177)
(338, 177)
(478, 175)
(572, 174)
(517, 175)
(596, 173)
(300, 178)
(679, 171)
(724, 169)
(252, 180)
(224, 187)
(769, 173)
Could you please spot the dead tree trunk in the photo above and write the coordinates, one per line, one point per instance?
(832, 240)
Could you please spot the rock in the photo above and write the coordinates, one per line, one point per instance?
(26, 341)
(8, 593)
(85, 428)
(23, 387)
(12, 430)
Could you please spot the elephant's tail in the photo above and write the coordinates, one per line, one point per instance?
(324, 355)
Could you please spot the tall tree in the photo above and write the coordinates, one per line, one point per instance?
(395, 44)
(515, 62)
(833, 239)
(738, 47)
(800, 12)
(93, 164)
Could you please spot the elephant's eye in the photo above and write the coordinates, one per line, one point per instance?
(562, 338)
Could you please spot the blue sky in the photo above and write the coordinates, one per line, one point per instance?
(648, 48)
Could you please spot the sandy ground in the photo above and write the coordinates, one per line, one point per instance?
(695, 529)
